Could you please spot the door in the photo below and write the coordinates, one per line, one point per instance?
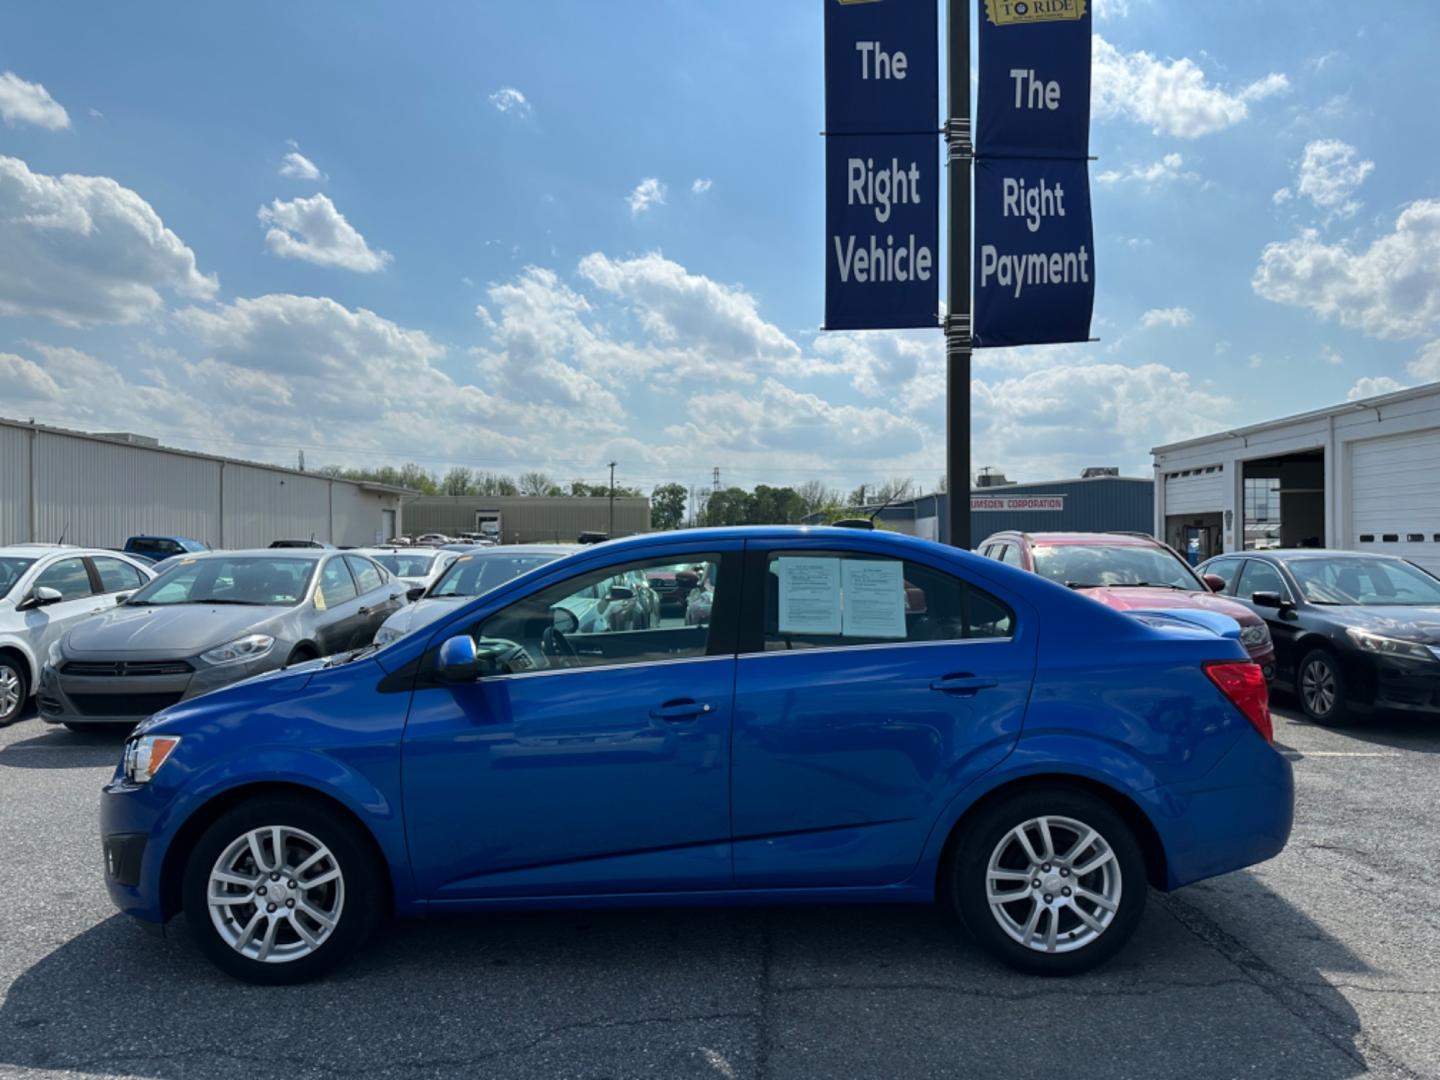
(45, 625)
(1257, 576)
(867, 694)
(115, 577)
(1395, 502)
(593, 761)
(338, 602)
(379, 599)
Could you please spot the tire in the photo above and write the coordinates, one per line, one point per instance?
(14, 689)
(300, 946)
(1119, 878)
(80, 727)
(1320, 686)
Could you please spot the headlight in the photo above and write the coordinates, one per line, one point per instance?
(249, 647)
(1389, 646)
(1252, 637)
(386, 634)
(145, 755)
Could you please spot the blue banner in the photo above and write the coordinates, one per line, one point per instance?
(882, 226)
(882, 66)
(1033, 95)
(1034, 273)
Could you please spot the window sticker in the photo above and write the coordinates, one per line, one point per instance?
(809, 595)
(874, 598)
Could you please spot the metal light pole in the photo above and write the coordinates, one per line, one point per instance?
(957, 320)
(611, 533)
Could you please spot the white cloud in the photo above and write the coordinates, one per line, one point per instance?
(509, 100)
(24, 102)
(1112, 9)
(1373, 386)
(313, 230)
(1330, 172)
(1389, 290)
(82, 250)
(1171, 97)
(1426, 365)
(649, 192)
(1172, 316)
(1167, 170)
(701, 184)
(1330, 356)
(296, 166)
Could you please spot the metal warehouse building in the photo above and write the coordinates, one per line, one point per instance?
(1106, 503)
(526, 519)
(99, 490)
(1363, 476)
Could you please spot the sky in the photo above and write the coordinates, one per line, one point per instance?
(555, 234)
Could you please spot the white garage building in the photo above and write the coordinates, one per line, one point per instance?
(1364, 476)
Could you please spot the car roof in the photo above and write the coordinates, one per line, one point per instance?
(1113, 539)
(313, 554)
(39, 551)
(1311, 553)
(528, 549)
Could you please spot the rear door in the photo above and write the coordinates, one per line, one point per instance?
(338, 605)
(868, 692)
(379, 598)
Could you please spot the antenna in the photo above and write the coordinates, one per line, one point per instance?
(63, 532)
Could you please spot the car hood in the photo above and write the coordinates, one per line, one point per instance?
(175, 630)
(1171, 600)
(1420, 624)
(423, 612)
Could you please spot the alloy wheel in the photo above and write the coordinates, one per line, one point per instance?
(276, 894)
(1053, 884)
(10, 691)
(1317, 687)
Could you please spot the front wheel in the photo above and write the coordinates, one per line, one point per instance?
(280, 890)
(1051, 881)
(1322, 689)
(14, 689)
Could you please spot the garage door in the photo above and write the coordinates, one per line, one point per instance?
(1395, 495)
(1195, 491)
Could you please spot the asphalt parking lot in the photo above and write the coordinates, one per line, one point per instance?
(1320, 964)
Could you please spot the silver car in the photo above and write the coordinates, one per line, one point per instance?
(209, 621)
(44, 589)
(417, 568)
(470, 575)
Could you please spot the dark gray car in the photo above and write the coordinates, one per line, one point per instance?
(211, 620)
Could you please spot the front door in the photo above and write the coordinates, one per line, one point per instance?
(45, 625)
(597, 760)
(874, 690)
(1257, 576)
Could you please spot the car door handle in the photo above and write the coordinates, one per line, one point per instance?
(367, 610)
(676, 711)
(963, 684)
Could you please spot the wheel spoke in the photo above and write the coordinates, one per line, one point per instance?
(1080, 846)
(268, 942)
(1028, 930)
(304, 931)
(1096, 899)
(231, 901)
(257, 852)
(1047, 838)
(1052, 929)
(227, 878)
(329, 875)
(277, 841)
(308, 863)
(319, 916)
(1024, 838)
(1094, 864)
(1088, 919)
(249, 932)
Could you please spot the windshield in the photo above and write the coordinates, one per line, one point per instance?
(1365, 582)
(254, 579)
(1093, 565)
(10, 570)
(473, 575)
(406, 564)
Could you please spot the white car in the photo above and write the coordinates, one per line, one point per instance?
(418, 568)
(44, 590)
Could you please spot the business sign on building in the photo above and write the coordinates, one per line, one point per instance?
(1047, 503)
(1034, 261)
(882, 164)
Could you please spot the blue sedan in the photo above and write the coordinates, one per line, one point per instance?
(854, 717)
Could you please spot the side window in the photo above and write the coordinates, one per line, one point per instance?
(990, 551)
(367, 574)
(826, 600)
(1224, 568)
(69, 577)
(1261, 577)
(1012, 554)
(116, 576)
(604, 618)
(336, 584)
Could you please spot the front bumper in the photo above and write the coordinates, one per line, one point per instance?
(128, 815)
(126, 700)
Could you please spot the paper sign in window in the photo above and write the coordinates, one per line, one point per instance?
(874, 604)
(809, 595)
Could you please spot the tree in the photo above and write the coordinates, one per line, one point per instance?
(774, 506)
(538, 483)
(419, 478)
(730, 506)
(458, 481)
(815, 496)
(667, 506)
(489, 483)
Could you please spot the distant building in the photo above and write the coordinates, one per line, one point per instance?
(526, 519)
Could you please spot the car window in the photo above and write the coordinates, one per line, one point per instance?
(474, 575)
(336, 584)
(367, 574)
(602, 618)
(117, 576)
(11, 569)
(1011, 555)
(1224, 568)
(68, 577)
(407, 564)
(1113, 565)
(1358, 580)
(827, 600)
(155, 547)
(245, 579)
(1261, 577)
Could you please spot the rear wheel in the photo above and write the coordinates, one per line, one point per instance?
(280, 890)
(14, 689)
(1321, 687)
(1051, 881)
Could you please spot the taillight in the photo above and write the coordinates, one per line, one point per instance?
(1243, 684)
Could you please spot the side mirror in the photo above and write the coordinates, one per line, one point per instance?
(458, 661)
(620, 592)
(39, 597)
(120, 598)
(1268, 600)
(564, 620)
(414, 592)
(1215, 581)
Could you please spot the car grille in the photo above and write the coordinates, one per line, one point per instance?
(138, 705)
(125, 668)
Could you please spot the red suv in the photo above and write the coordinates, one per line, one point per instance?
(1127, 571)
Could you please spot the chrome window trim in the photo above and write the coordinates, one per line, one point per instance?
(882, 645)
(605, 667)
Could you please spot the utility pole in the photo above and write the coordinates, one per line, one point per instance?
(611, 533)
(715, 488)
(958, 342)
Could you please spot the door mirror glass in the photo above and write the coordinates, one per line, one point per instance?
(1216, 582)
(621, 592)
(415, 592)
(564, 620)
(458, 661)
(1267, 600)
(41, 596)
